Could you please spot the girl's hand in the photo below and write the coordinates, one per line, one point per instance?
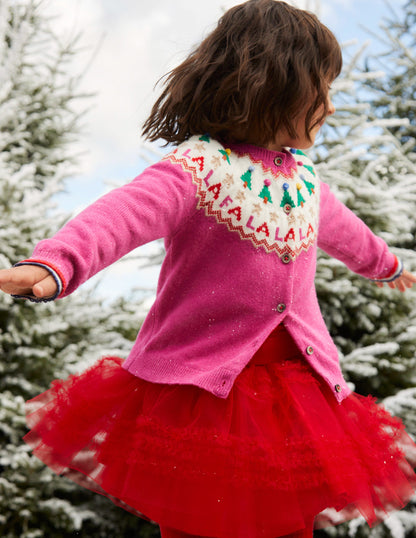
(28, 280)
(405, 280)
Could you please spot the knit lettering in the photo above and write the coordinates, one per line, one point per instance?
(227, 200)
(249, 222)
(216, 189)
(276, 237)
(206, 178)
(290, 235)
(235, 211)
(263, 228)
(200, 162)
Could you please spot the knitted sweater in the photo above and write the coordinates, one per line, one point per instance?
(241, 226)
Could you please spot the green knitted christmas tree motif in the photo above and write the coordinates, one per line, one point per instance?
(225, 154)
(310, 186)
(301, 199)
(310, 168)
(265, 192)
(204, 138)
(287, 199)
(246, 177)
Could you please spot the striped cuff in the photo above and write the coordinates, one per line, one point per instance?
(58, 280)
(395, 273)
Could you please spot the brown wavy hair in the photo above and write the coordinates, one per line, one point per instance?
(264, 64)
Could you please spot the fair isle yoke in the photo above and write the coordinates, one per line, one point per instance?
(276, 209)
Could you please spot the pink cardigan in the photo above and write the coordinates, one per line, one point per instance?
(241, 226)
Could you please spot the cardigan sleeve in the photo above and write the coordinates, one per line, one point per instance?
(346, 237)
(150, 207)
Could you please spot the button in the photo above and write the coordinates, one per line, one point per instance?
(338, 388)
(278, 161)
(286, 258)
(281, 307)
(287, 208)
(309, 350)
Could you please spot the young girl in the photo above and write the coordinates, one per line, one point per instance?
(230, 418)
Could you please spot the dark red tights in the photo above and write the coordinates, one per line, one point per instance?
(172, 533)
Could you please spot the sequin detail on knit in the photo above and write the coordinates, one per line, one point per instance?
(276, 208)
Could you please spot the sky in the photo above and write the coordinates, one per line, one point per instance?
(126, 46)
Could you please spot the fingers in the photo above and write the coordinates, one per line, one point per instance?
(399, 284)
(12, 280)
(45, 288)
(27, 280)
(409, 278)
(404, 282)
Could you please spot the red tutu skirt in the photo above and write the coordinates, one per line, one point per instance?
(261, 463)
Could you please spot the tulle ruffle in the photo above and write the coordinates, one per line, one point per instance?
(261, 463)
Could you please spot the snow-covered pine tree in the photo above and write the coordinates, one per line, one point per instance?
(41, 342)
(396, 91)
(367, 158)
(394, 96)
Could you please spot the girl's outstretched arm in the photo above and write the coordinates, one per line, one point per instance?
(402, 283)
(343, 235)
(28, 280)
(154, 205)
